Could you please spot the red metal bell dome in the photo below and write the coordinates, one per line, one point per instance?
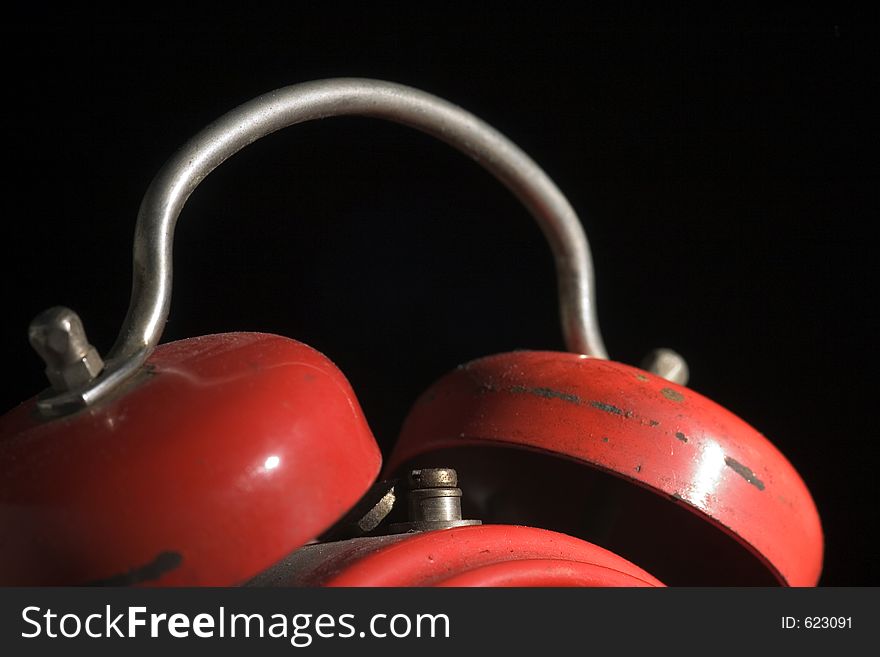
(651, 433)
(221, 456)
(480, 555)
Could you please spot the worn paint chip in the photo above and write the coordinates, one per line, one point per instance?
(548, 393)
(681, 436)
(672, 395)
(744, 472)
(608, 408)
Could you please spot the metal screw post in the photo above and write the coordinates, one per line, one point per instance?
(667, 364)
(434, 495)
(433, 501)
(58, 336)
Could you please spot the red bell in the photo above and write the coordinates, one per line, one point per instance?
(245, 458)
(619, 456)
(220, 456)
(476, 555)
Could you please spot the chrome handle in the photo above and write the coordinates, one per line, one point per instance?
(167, 194)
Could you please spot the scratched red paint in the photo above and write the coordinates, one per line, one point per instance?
(640, 427)
(237, 449)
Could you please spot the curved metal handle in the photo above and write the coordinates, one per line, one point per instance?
(172, 186)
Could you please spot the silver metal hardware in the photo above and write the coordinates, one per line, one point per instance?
(58, 336)
(172, 186)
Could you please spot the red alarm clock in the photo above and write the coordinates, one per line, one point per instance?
(245, 458)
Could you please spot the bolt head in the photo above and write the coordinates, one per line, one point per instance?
(77, 374)
(668, 364)
(433, 478)
(58, 336)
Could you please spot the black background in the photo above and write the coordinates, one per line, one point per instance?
(724, 166)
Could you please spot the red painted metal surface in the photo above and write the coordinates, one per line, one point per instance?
(637, 426)
(225, 454)
(477, 555)
(544, 573)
